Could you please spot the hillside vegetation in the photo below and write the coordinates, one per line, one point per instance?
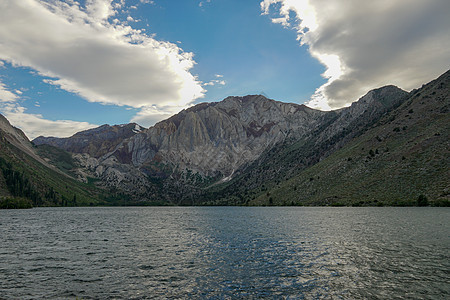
(26, 182)
(401, 158)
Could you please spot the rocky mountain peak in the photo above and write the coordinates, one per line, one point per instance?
(96, 142)
(219, 137)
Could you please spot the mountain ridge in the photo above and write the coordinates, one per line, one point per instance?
(96, 141)
(230, 152)
(210, 143)
(27, 179)
(402, 159)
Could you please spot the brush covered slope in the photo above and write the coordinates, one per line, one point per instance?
(26, 179)
(403, 159)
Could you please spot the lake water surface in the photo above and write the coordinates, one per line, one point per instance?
(225, 252)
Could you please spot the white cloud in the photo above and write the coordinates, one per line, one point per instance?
(203, 3)
(215, 82)
(102, 61)
(34, 125)
(6, 95)
(368, 44)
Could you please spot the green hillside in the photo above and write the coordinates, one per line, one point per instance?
(399, 159)
(22, 177)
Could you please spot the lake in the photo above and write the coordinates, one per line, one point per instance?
(225, 252)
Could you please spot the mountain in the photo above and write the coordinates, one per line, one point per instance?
(216, 139)
(403, 156)
(202, 148)
(245, 151)
(292, 155)
(95, 142)
(199, 146)
(16, 138)
(26, 179)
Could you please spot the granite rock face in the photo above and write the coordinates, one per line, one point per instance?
(217, 138)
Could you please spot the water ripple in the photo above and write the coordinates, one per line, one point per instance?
(224, 253)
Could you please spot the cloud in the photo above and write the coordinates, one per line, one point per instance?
(215, 82)
(202, 3)
(6, 95)
(81, 51)
(35, 125)
(364, 45)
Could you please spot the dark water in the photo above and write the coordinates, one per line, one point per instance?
(225, 252)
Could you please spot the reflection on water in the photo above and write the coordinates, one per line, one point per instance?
(224, 252)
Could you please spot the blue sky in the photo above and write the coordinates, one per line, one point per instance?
(66, 66)
(252, 54)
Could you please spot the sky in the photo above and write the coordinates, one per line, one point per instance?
(67, 66)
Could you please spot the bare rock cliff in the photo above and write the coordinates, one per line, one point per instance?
(218, 138)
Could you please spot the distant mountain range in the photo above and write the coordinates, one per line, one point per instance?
(388, 148)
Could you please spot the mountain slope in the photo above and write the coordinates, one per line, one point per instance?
(292, 155)
(197, 147)
(211, 149)
(24, 174)
(404, 155)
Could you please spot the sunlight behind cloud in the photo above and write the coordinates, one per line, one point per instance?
(306, 15)
(366, 46)
(82, 52)
(333, 72)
